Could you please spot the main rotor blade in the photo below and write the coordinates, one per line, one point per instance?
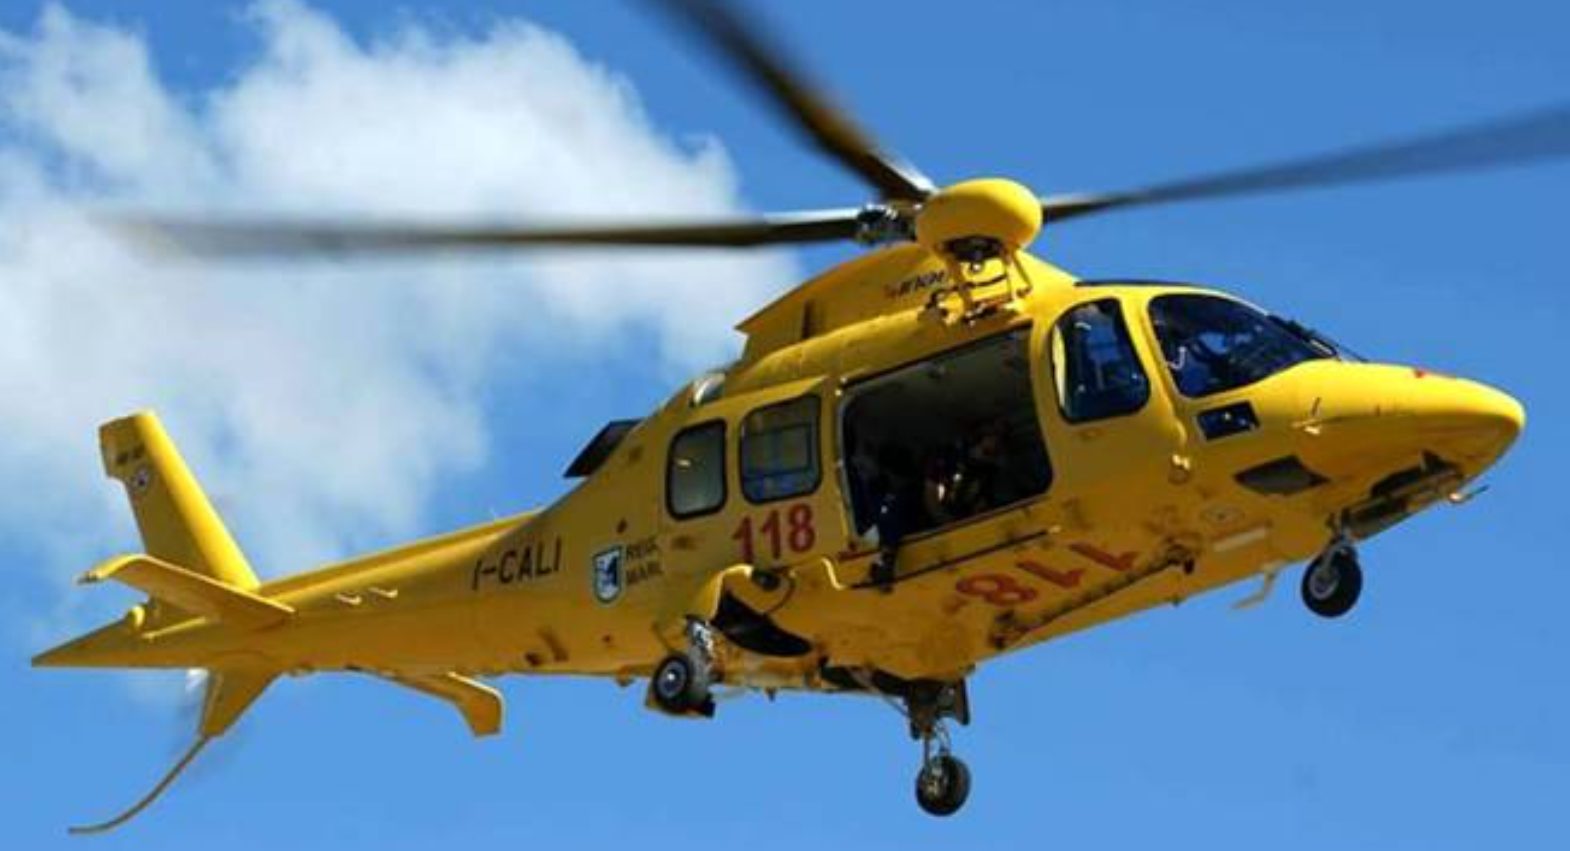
(1522, 138)
(281, 237)
(830, 128)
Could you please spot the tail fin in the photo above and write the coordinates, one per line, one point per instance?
(192, 566)
(178, 524)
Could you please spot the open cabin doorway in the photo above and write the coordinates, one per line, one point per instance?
(943, 440)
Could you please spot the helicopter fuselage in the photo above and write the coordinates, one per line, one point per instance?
(1157, 489)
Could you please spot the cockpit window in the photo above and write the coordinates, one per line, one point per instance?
(1214, 344)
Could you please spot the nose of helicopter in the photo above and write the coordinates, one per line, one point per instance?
(1476, 421)
(1475, 412)
(1372, 413)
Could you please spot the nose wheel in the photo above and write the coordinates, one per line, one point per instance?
(1333, 581)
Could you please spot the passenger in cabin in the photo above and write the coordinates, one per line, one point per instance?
(980, 472)
(898, 510)
(964, 479)
(862, 479)
(938, 442)
(940, 479)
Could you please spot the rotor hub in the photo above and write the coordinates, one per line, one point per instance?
(978, 215)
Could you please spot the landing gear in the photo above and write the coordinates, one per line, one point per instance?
(1333, 581)
(680, 684)
(943, 783)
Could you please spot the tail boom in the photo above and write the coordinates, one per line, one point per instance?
(207, 610)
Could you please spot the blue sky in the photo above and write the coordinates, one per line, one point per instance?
(1432, 717)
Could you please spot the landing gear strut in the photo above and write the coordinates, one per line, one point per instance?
(943, 783)
(1333, 581)
(680, 684)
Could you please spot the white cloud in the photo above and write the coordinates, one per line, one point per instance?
(332, 397)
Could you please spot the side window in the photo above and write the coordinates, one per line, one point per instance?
(695, 471)
(1097, 373)
(779, 451)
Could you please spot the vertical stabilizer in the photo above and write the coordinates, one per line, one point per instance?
(177, 523)
(229, 694)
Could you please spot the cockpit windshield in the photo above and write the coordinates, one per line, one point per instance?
(1213, 344)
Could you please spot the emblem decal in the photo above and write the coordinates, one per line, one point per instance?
(140, 480)
(607, 575)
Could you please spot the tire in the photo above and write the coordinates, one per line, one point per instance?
(678, 686)
(942, 785)
(1332, 583)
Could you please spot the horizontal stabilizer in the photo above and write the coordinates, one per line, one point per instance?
(480, 705)
(190, 591)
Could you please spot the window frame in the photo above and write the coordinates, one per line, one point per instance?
(816, 431)
(1058, 387)
(670, 458)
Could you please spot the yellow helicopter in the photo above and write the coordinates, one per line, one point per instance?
(936, 453)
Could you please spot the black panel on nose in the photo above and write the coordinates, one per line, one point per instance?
(1281, 477)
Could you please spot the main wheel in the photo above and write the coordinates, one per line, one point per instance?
(679, 686)
(1332, 583)
(942, 785)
